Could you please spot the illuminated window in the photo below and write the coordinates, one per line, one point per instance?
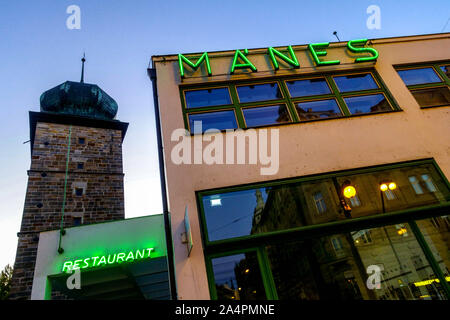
(319, 202)
(415, 184)
(429, 183)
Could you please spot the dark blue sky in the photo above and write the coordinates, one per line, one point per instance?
(38, 52)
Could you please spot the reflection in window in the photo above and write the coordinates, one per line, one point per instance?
(436, 232)
(432, 97)
(259, 92)
(362, 237)
(238, 277)
(418, 76)
(354, 201)
(319, 201)
(415, 184)
(207, 97)
(308, 87)
(355, 82)
(367, 104)
(335, 267)
(219, 120)
(318, 109)
(261, 116)
(446, 70)
(390, 195)
(429, 182)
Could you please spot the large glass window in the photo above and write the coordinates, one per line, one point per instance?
(355, 82)
(419, 76)
(207, 97)
(220, 120)
(267, 115)
(373, 264)
(257, 210)
(259, 92)
(320, 109)
(429, 85)
(367, 104)
(287, 100)
(308, 87)
(319, 251)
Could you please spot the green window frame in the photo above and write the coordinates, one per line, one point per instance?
(445, 80)
(287, 100)
(259, 242)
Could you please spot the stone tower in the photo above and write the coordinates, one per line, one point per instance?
(76, 174)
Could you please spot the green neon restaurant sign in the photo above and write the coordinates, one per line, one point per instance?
(317, 51)
(110, 259)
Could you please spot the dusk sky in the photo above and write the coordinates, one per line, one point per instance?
(39, 52)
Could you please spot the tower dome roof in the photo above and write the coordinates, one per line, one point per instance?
(79, 98)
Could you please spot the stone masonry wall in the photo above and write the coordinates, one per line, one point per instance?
(94, 191)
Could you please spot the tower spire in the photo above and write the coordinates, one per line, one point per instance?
(82, 68)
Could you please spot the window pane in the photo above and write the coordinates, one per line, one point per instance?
(446, 70)
(367, 104)
(207, 97)
(419, 76)
(415, 184)
(308, 87)
(318, 109)
(436, 232)
(238, 277)
(220, 120)
(262, 116)
(432, 97)
(259, 92)
(355, 82)
(335, 267)
(266, 209)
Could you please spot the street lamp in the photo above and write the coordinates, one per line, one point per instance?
(384, 186)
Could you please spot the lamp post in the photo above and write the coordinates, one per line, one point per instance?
(346, 190)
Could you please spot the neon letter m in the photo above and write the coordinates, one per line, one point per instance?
(182, 59)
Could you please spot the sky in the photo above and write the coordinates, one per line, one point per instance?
(38, 52)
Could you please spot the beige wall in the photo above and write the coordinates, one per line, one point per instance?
(306, 148)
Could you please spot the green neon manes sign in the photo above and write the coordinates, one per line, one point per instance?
(313, 47)
(317, 51)
(351, 45)
(182, 59)
(290, 60)
(99, 261)
(242, 56)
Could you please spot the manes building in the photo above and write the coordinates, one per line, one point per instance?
(357, 205)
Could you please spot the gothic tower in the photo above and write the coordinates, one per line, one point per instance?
(76, 174)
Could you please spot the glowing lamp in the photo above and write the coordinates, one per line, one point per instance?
(392, 186)
(383, 187)
(349, 192)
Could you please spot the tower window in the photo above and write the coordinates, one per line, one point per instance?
(76, 221)
(81, 140)
(80, 165)
(79, 191)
